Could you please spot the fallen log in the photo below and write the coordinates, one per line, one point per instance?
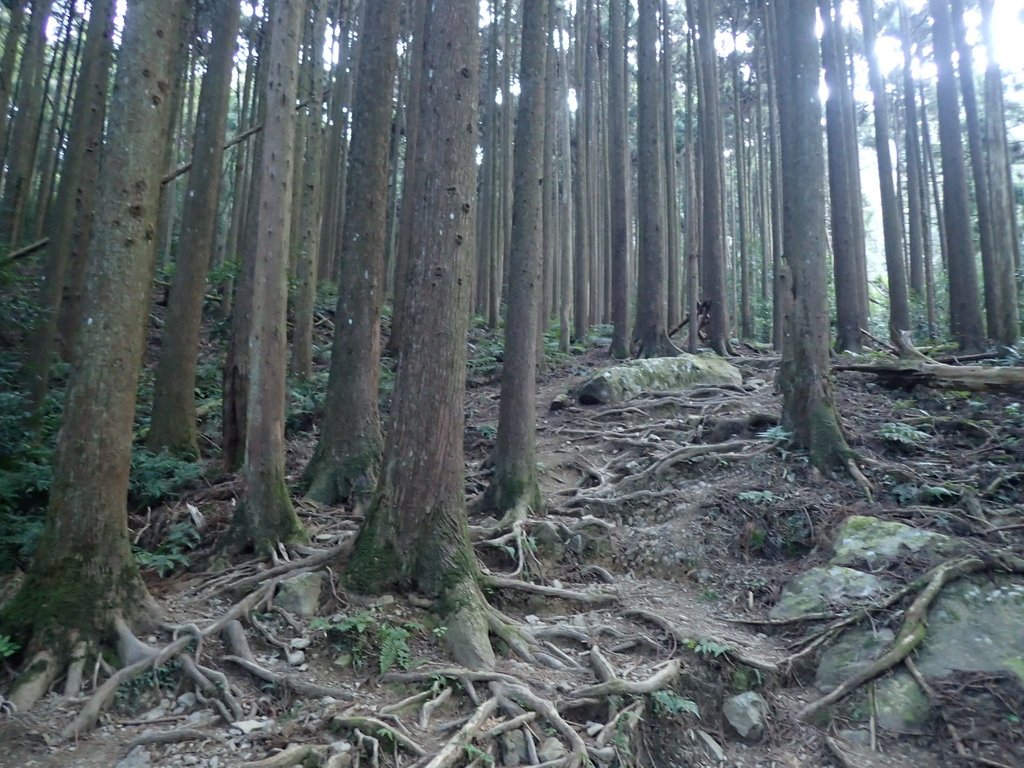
(910, 373)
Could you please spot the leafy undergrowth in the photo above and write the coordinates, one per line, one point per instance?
(671, 525)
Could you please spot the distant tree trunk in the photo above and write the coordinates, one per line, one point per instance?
(915, 179)
(266, 516)
(582, 209)
(713, 255)
(75, 194)
(982, 199)
(348, 453)
(672, 220)
(235, 387)
(780, 284)
(899, 307)
(844, 206)
(173, 426)
(650, 333)
(693, 220)
(310, 202)
(566, 201)
(488, 222)
(808, 408)
(83, 577)
(1005, 245)
(7, 68)
(415, 535)
(618, 179)
(405, 244)
(513, 490)
(25, 126)
(964, 308)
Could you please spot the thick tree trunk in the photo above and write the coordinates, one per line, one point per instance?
(173, 426)
(83, 576)
(514, 490)
(808, 409)
(713, 255)
(915, 178)
(347, 456)
(415, 535)
(844, 207)
(651, 332)
(266, 517)
(964, 306)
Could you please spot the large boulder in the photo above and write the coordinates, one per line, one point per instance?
(824, 589)
(657, 374)
(300, 594)
(877, 544)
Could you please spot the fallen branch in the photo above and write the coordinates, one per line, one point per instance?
(589, 598)
(455, 748)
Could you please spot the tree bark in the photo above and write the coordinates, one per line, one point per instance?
(347, 456)
(514, 490)
(808, 408)
(415, 535)
(266, 517)
(173, 426)
(964, 307)
(618, 179)
(84, 576)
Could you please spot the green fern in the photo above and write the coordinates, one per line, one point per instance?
(671, 703)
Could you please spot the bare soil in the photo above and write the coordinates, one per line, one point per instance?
(687, 508)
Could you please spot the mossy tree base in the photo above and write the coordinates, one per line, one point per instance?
(266, 518)
(334, 477)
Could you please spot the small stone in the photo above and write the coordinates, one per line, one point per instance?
(137, 758)
(187, 700)
(300, 594)
(214, 762)
(299, 643)
(189, 760)
(248, 726)
(551, 749)
(747, 714)
(295, 658)
(514, 751)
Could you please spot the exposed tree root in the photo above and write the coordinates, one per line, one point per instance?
(192, 733)
(909, 637)
(587, 598)
(682, 638)
(291, 682)
(454, 749)
(379, 727)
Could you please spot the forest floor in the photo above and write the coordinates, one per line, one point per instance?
(673, 522)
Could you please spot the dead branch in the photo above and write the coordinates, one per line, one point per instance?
(455, 748)
(360, 722)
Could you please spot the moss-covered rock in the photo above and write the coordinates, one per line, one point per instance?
(879, 544)
(657, 374)
(822, 589)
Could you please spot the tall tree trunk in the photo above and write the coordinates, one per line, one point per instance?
(581, 181)
(650, 333)
(915, 179)
(808, 408)
(84, 578)
(8, 68)
(25, 126)
(514, 490)
(348, 453)
(844, 206)
(77, 189)
(1005, 245)
(415, 534)
(618, 179)
(173, 426)
(266, 517)
(672, 221)
(309, 199)
(899, 307)
(964, 307)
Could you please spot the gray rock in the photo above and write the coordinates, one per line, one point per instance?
(657, 374)
(878, 543)
(548, 541)
(747, 713)
(820, 589)
(976, 625)
(852, 652)
(137, 758)
(514, 751)
(300, 594)
(551, 749)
